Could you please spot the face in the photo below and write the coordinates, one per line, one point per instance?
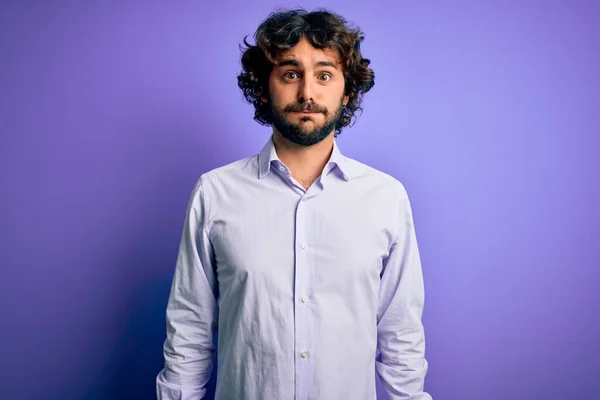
(306, 90)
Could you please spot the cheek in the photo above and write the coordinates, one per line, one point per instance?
(278, 94)
(335, 96)
(274, 90)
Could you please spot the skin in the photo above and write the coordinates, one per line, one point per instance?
(305, 74)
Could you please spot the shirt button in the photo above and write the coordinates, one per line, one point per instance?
(304, 246)
(304, 354)
(281, 168)
(304, 299)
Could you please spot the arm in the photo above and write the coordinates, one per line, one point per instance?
(192, 312)
(401, 363)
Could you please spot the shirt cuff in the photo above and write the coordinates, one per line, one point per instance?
(169, 391)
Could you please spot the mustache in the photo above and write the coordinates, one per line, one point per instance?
(310, 107)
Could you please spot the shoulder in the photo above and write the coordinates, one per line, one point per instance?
(229, 173)
(220, 178)
(376, 179)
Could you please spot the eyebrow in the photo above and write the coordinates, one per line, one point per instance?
(296, 63)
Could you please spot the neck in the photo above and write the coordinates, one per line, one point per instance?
(306, 163)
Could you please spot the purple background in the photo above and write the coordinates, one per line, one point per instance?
(489, 114)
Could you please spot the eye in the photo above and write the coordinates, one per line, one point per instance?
(290, 75)
(324, 77)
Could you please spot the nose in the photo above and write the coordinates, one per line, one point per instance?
(306, 91)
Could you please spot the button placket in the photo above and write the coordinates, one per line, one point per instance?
(304, 319)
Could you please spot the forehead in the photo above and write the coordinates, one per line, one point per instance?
(306, 53)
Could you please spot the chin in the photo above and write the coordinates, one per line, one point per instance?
(306, 128)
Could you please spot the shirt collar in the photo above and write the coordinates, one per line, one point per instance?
(268, 157)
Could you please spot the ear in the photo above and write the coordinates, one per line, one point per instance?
(346, 99)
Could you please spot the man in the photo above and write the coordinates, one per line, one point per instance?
(303, 260)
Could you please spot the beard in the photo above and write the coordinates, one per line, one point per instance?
(295, 133)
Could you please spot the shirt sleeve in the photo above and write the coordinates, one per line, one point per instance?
(192, 311)
(401, 363)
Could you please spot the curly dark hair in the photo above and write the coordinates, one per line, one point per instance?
(282, 30)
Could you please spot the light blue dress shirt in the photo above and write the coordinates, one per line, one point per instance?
(312, 292)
